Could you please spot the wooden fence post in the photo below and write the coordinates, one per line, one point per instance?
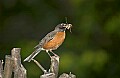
(54, 68)
(1, 69)
(13, 64)
(8, 66)
(53, 71)
(18, 69)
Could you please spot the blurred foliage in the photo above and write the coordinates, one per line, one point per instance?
(90, 51)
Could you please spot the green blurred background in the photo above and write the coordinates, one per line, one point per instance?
(90, 51)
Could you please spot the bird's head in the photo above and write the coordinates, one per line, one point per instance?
(63, 27)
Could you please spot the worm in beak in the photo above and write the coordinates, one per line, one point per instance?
(68, 26)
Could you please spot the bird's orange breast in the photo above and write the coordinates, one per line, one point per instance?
(55, 42)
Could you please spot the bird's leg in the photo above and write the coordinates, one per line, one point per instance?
(53, 53)
(48, 53)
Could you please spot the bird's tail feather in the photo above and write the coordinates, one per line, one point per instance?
(30, 57)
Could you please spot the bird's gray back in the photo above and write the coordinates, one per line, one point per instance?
(47, 38)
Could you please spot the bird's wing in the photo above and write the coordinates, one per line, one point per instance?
(47, 38)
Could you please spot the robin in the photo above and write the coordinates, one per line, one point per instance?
(51, 41)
